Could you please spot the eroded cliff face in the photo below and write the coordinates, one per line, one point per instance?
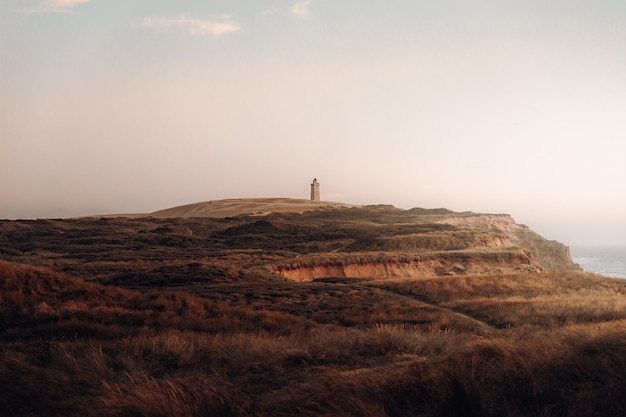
(553, 256)
(376, 265)
(465, 243)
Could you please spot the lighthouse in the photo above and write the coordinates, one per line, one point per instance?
(315, 190)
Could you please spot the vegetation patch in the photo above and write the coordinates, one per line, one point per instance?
(184, 317)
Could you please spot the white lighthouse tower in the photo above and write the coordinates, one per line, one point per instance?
(315, 190)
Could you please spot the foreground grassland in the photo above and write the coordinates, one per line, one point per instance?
(543, 345)
(146, 317)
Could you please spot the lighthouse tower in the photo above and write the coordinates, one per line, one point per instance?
(315, 190)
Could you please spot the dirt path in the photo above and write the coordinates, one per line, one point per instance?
(481, 326)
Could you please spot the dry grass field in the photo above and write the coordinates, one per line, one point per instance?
(165, 317)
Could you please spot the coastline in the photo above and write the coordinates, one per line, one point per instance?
(607, 260)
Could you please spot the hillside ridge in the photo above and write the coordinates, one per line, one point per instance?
(529, 252)
(244, 239)
(419, 312)
(237, 206)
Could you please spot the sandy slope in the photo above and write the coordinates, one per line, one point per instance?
(236, 206)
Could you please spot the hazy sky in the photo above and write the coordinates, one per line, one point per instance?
(513, 106)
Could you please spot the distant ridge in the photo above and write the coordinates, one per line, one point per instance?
(237, 206)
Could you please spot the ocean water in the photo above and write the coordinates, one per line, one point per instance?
(609, 261)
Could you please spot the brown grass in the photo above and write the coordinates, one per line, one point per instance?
(545, 345)
(182, 317)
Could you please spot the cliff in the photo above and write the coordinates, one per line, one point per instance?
(246, 240)
(553, 256)
(423, 243)
(376, 265)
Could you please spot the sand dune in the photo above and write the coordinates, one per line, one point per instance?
(237, 206)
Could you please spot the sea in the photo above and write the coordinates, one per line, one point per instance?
(609, 261)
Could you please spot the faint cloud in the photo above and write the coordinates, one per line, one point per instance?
(53, 6)
(271, 11)
(64, 3)
(192, 26)
(301, 9)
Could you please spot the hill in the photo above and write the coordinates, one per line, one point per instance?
(328, 241)
(523, 345)
(370, 311)
(238, 206)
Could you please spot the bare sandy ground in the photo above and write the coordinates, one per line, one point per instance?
(236, 206)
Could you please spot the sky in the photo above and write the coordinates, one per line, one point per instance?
(507, 106)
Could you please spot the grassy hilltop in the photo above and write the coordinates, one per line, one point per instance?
(367, 311)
